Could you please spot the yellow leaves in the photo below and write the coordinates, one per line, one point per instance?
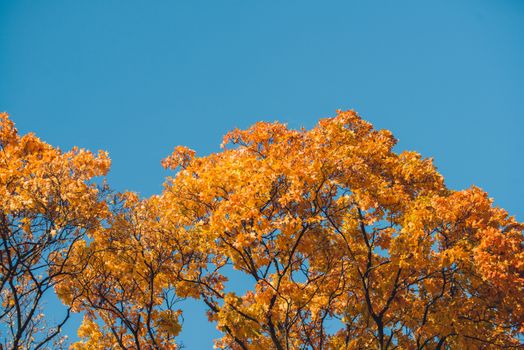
(329, 224)
(49, 203)
(455, 255)
(420, 174)
(242, 323)
(30, 144)
(26, 225)
(88, 165)
(89, 329)
(259, 137)
(181, 156)
(39, 178)
(8, 132)
(8, 302)
(92, 337)
(314, 191)
(448, 258)
(384, 238)
(499, 255)
(187, 289)
(167, 321)
(243, 240)
(132, 265)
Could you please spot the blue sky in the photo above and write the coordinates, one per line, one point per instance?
(136, 78)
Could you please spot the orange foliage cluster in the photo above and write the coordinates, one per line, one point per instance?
(348, 244)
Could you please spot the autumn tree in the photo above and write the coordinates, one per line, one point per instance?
(348, 244)
(126, 290)
(48, 204)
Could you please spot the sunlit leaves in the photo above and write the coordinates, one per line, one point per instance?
(48, 205)
(342, 243)
(348, 244)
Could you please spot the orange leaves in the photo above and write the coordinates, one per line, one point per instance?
(37, 177)
(259, 137)
(331, 221)
(48, 204)
(88, 165)
(168, 321)
(128, 277)
(8, 132)
(346, 244)
(418, 174)
(181, 156)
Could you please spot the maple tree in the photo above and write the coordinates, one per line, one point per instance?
(48, 204)
(343, 244)
(125, 290)
(349, 245)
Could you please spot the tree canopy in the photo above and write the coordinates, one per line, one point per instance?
(347, 243)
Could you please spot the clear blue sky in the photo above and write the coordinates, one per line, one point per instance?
(138, 77)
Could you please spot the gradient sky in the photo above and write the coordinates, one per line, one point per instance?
(136, 78)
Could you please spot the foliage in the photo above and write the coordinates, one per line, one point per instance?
(48, 205)
(125, 285)
(347, 244)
